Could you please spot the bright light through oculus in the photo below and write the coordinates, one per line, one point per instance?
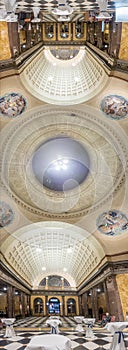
(61, 164)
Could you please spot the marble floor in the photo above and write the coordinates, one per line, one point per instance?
(26, 328)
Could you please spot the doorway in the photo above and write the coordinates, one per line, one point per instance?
(54, 306)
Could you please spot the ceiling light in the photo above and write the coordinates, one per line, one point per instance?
(50, 78)
(69, 250)
(38, 250)
(43, 268)
(64, 269)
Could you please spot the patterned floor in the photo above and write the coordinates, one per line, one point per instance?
(46, 6)
(29, 327)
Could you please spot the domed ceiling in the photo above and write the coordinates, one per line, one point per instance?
(34, 148)
(61, 164)
(59, 77)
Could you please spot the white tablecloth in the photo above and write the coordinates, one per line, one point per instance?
(49, 342)
(54, 323)
(116, 329)
(89, 322)
(9, 333)
(79, 320)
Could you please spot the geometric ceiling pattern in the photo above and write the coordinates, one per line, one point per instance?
(43, 249)
(64, 82)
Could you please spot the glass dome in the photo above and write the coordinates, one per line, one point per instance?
(61, 164)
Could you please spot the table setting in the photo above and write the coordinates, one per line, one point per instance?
(49, 342)
(116, 328)
(9, 332)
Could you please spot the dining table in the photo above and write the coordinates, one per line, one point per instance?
(79, 320)
(49, 342)
(9, 332)
(89, 323)
(116, 328)
(54, 323)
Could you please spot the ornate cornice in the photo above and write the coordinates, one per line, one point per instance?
(108, 270)
(22, 138)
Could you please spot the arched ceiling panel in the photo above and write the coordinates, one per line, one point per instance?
(62, 82)
(22, 252)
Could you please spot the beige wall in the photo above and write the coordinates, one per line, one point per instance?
(3, 302)
(123, 53)
(122, 283)
(5, 52)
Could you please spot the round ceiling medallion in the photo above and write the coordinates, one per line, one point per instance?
(61, 164)
(12, 105)
(114, 106)
(112, 223)
(6, 214)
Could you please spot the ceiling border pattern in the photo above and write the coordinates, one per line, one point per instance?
(68, 116)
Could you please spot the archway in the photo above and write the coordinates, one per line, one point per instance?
(54, 306)
(71, 306)
(38, 306)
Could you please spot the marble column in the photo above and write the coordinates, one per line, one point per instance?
(95, 303)
(28, 305)
(63, 305)
(28, 35)
(80, 304)
(115, 38)
(85, 304)
(14, 38)
(10, 302)
(22, 304)
(46, 304)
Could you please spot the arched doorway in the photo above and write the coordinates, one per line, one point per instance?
(71, 306)
(54, 306)
(38, 306)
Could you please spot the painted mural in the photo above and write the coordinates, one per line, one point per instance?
(114, 106)
(6, 214)
(12, 105)
(112, 223)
